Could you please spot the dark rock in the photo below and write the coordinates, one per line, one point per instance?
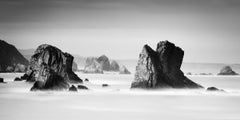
(92, 66)
(17, 79)
(161, 68)
(73, 88)
(86, 80)
(82, 87)
(124, 70)
(11, 58)
(227, 70)
(1, 80)
(104, 62)
(105, 85)
(214, 89)
(114, 66)
(51, 68)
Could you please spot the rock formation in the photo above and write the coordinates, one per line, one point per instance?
(227, 70)
(11, 59)
(92, 66)
(104, 62)
(114, 66)
(124, 70)
(51, 69)
(100, 64)
(161, 68)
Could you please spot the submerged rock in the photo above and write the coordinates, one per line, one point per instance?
(82, 87)
(51, 68)
(214, 89)
(161, 68)
(105, 85)
(17, 79)
(124, 70)
(86, 80)
(73, 88)
(227, 70)
(11, 59)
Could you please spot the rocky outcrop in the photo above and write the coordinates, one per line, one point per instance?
(124, 70)
(214, 89)
(11, 59)
(100, 64)
(114, 66)
(92, 66)
(227, 70)
(51, 69)
(82, 87)
(104, 62)
(161, 68)
(1, 80)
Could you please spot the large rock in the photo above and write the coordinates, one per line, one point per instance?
(92, 66)
(114, 66)
(11, 59)
(161, 68)
(124, 70)
(104, 62)
(227, 70)
(51, 69)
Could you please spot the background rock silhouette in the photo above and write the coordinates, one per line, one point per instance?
(161, 68)
(11, 59)
(51, 68)
(124, 70)
(227, 70)
(92, 66)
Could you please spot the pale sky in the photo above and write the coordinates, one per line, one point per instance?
(207, 30)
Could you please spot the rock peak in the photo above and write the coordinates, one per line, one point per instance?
(161, 68)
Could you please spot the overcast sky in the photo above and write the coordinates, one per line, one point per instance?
(208, 30)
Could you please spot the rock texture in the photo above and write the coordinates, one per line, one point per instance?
(11, 59)
(161, 68)
(100, 64)
(114, 66)
(227, 70)
(124, 70)
(104, 62)
(92, 66)
(51, 69)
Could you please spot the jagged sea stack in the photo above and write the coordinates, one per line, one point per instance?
(161, 68)
(51, 69)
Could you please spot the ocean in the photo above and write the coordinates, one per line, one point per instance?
(118, 102)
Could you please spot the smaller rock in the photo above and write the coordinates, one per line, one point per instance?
(227, 70)
(189, 73)
(82, 87)
(73, 88)
(214, 89)
(1, 80)
(86, 80)
(17, 79)
(124, 70)
(105, 85)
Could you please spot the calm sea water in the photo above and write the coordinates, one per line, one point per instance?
(118, 102)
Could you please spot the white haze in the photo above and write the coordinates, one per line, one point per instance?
(118, 102)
